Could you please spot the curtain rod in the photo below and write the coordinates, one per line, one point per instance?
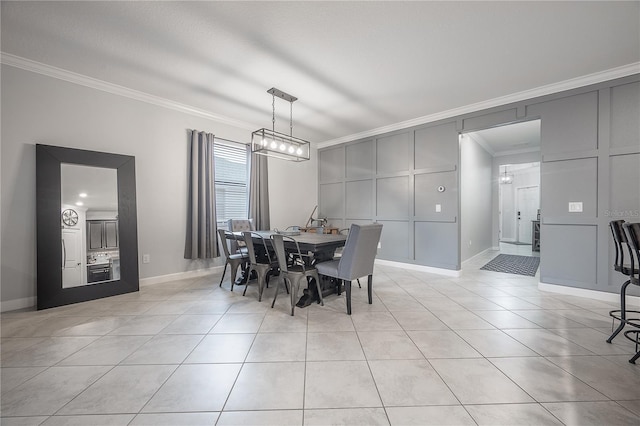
(223, 139)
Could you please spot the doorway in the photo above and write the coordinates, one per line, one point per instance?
(514, 155)
(519, 202)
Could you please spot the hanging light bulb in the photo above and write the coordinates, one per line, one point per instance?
(274, 144)
(291, 149)
(299, 151)
(283, 147)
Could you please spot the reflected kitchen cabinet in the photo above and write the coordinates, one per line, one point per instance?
(102, 234)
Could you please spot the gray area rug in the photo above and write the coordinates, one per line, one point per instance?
(512, 264)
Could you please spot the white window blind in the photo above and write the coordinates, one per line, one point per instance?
(231, 180)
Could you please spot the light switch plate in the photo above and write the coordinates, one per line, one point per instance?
(438, 208)
(575, 207)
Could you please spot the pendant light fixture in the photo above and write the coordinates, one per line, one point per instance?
(273, 144)
(506, 179)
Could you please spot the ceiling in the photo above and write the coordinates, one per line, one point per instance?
(99, 184)
(510, 139)
(355, 66)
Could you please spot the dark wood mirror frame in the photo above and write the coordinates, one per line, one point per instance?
(49, 230)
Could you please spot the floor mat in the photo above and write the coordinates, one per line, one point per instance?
(512, 264)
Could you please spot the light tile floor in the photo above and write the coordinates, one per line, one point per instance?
(484, 348)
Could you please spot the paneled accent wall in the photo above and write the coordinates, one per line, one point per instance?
(393, 179)
(590, 149)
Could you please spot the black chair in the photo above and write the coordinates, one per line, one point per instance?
(357, 259)
(235, 260)
(294, 273)
(621, 245)
(263, 269)
(633, 240)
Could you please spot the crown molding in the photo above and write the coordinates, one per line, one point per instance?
(115, 89)
(574, 83)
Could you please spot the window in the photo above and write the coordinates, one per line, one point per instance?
(231, 180)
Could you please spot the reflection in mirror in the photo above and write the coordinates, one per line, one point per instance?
(89, 218)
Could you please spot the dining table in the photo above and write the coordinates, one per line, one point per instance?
(314, 248)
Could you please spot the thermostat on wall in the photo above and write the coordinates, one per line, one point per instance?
(441, 188)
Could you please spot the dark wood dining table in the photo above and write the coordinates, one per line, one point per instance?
(314, 248)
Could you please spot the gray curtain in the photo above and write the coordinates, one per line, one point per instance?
(259, 191)
(200, 241)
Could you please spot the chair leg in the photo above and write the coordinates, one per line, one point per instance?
(295, 284)
(234, 273)
(317, 280)
(370, 288)
(347, 290)
(224, 271)
(276, 294)
(261, 280)
(247, 284)
(623, 309)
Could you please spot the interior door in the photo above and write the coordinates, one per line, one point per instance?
(71, 258)
(527, 204)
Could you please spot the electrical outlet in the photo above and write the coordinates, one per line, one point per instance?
(575, 207)
(146, 258)
(438, 208)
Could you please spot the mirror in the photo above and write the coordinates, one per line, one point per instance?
(89, 220)
(86, 225)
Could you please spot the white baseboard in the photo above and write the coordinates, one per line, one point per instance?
(479, 254)
(421, 268)
(15, 304)
(30, 302)
(180, 276)
(583, 292)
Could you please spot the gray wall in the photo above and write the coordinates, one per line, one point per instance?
(590, 148)
(393, 179)
(41, 109)
(475, 198)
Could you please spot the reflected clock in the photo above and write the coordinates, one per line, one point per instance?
(69, 217)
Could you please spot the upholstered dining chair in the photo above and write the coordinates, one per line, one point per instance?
(263, 269)
(293, 274)
(357, 259)
(234, 260)
(239, 225)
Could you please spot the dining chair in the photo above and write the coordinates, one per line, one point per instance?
(357, 259)
(264, 269)
(239, 225)
(338, 254)
(234, 260)
(295, 273)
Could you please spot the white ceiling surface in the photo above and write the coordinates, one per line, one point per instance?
(100, 185)
(510, 139)
(355, 66)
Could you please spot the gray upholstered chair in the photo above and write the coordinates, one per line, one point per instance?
(263, 269)
(239, 225)
(292, 274)
(234, 260)
(357, 259)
